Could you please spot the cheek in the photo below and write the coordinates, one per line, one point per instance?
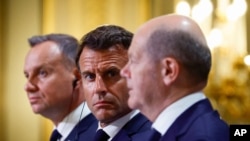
(123, 98)
(88, 91)
(121, 91)
(48, 89)
(137, 75)
(60, 90)
(143, 83)
(139, 83)
(122, 102)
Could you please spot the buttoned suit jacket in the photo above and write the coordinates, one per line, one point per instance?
(134, 129)
(85, 130)
(198, 123)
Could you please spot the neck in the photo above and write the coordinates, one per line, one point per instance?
(58, 115)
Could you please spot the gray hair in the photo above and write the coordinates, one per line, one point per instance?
(194, 56)
(67, 44)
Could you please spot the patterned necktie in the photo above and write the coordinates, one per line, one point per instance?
(55, 135)
(155, 135)
(101, 136)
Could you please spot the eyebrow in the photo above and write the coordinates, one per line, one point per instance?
(104, 70)
(85, 72)
(39, 67)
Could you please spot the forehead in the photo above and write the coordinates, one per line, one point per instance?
(45, 49)
(115, 56)
(138, 44)
(43, 53)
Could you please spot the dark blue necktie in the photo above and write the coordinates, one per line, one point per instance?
(155, 135)
(55, 135)
(101, 136)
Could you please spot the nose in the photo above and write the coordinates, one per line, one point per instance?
(101, 87)
(125, 71)
(30, 87)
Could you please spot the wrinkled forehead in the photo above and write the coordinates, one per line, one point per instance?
(102, 58)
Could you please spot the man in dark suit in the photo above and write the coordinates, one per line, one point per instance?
(169, 64)
(54, 88)
(102, 54)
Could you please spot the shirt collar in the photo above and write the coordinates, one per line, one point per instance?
(72, 119)
(173, 111)
(113, 128)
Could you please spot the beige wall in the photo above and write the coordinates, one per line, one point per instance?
(80, 16)
(21, 20)
(2, 133)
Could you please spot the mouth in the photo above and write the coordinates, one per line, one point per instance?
(34, 99)
(102, 104)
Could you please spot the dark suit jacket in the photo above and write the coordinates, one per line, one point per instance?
(134, 129)
(84, 130)
(198, 123)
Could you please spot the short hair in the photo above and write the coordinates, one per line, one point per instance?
(67, 44)
(104, 37)
(193, 55)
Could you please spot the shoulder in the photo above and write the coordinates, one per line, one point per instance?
(134, 129)
(86, 128)
(209, 126)
(200, 122)
(138, 123)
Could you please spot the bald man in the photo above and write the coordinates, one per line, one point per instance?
(169, 64)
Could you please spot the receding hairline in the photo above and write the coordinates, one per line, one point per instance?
(174, 22)
(65, 60)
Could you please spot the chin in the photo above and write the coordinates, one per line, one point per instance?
(132, 103)
(36, 109)
(102, 115)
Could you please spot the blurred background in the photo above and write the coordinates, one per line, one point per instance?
(224, 22)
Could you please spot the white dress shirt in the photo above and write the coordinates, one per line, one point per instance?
(70, 121)
(173, 111)
(113, 128)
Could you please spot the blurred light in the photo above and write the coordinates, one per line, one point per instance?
(202, 10)
(183, 8)
(215, 38)
(247, 60)
(237, 9)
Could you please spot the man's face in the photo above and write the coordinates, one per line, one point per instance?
(105, 90)
(141, 75)
(49, 82)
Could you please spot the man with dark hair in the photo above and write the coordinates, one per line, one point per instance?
(169, 64)
(102, 54)
(54, 86)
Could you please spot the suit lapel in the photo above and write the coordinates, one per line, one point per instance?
(82, 126)
(132, 127)
(122, 136)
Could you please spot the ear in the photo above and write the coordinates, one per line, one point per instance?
(77, 73)
(170, 70)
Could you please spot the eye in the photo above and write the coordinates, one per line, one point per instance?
(26, 75)
(43, 73)
(89, 76)
(131, 61)
(112, 73)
